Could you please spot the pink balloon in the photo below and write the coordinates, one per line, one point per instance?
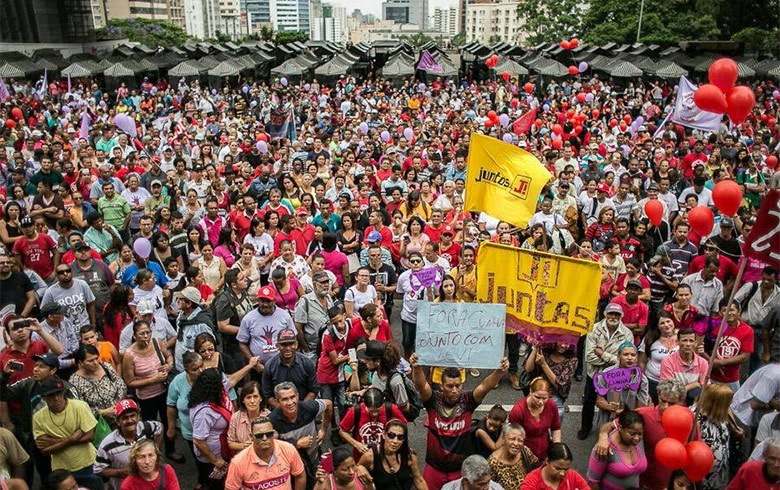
(126, 124)
(142, 247)
(409, 134)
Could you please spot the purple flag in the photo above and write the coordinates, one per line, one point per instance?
(427, 63)
(3, 90)
(84, 130)
(687, 113)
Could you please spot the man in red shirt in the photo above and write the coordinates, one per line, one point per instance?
(635, 312)
(696, 155)
(735, 346)
(37, 251)
(759, 475)
(375, 222)
(303, 231)
(435, 226)
(363, 426)
(447, 248)
(727, 271)
(449, 410)
(242, 221)
(286, 232)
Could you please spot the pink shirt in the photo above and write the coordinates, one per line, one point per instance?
(673, 367)
(334, 262)
(211, 228)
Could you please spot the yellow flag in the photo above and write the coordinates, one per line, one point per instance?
(503, 180)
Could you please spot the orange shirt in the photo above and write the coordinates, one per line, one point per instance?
(248, 472)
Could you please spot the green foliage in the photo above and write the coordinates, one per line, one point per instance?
(221, 37)
(266, 33)
(736, 16)
(152, 33)
(291, 36)
(758, 40)
(459, 39)
(417, 39)
(663, 22)
(551, 20)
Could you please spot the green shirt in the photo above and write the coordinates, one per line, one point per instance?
(106, 146)
(152, 204)
(114, 211)
(101, 241)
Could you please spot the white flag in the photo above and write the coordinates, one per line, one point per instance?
(687, 113)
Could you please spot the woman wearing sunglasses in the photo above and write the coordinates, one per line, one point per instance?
(392, 465)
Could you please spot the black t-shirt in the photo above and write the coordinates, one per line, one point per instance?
(385, 276)
(305, 424)
(730, 248)
(13, 290)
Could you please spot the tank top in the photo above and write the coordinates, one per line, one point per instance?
(401, 480)
(146, 367)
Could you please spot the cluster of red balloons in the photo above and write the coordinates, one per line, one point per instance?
(721, 96)
(491, 61)
(570, 44)
(493, 119)
(16, 113)
(695, 457)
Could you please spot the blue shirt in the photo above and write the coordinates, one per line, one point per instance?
(159, 274)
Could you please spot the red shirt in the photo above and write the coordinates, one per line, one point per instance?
(133, 482)
(572, 481)
(356, 332)
(69, 256)
(327, 373)
(36, 254)
(449, 431)
(727, 267)
(451, 253)
(242, 223)
(637, 313)
(734, 341)
(36, 348)
(536, 431)
(370, 430)
(657, 475)
(387, 236)
(751, 476)
(433, 233)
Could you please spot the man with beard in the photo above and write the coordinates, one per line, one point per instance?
(260, 328)
(15, 288)
(311, 314)
(74, 294)
(114, 449)
(96, 274)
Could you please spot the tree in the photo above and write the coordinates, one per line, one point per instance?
(758, 40)
(734, 17)
(266, 33)
(417, 39)
(152, 33)
(221, 37)
(551, 20)
(459, 39)
(663, 22)
(291, 36)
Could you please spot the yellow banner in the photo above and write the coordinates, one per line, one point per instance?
(503, 180)
(548, 297)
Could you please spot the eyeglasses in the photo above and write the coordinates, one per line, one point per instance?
(398, 437)
(263, 435)
(63, 272)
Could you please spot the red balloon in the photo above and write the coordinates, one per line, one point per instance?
(492, 115)
(557, 144)
(700, 459)
(655, 211)
(627, 119)
(570, 114)
(709, 98)
(771, 161)
(577, 129)
(529, 88)
(16, 113)
(740, 100)
(671, 452)
(623, 127)
(539, 123)
(613, 123)
(10, 123)
(723, 73)
(505, 76)
(514, 103)
(564, 104)
(701, 220)
(489, 63)
(565, 45)
(263, 137)
(595, 113)
(573, 71)
(488, 124)
(727, 196)
(581, 98)
(557, 129)
(574, 42)
(677, 420)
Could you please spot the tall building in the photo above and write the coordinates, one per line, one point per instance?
(98, 8)
(137, 9)
(446, 20)
(230, 18)
(406, 12)
(290, 15)
(258, 13)
(46, 21)
(462, 15)
(176, 13)
(330, 24)
(203, 18)
(490, 21)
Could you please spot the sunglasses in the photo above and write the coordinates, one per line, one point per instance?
(63, 272)
(415, 261)
(263, 435)
(393, 435)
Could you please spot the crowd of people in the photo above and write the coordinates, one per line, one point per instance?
(223, 284)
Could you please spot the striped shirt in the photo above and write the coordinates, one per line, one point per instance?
(114, 450)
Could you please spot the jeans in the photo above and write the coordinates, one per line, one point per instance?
(336, 394)
(409, 332)
(580, 356)
(154, 408)
(86, 477)
(588, 405)
(513, 344)
(559, 402)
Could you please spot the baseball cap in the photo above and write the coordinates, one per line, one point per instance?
(613, 308)
(374, 237)
(81, 246)
(52, 309)
(374, 350)
(50, 359)
(301, 211)
(448, 230)
(320, 276)
(634, 283)
(265, 293)
(603, 188)
(190, 294)
(123, 406)
(642, 128)
(144, 308)
(156, 182)
(26, 221)
(652, 187)
(286, 336)
(51, 386)
(727, 222)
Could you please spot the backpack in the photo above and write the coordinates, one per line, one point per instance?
(359, 413)
(415, 403)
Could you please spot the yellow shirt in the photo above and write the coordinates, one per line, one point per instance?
(468, 280)
(76, 416)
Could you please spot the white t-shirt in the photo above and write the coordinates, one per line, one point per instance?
(359, 299)
(404, 286)
(154, 297)
(763, 385)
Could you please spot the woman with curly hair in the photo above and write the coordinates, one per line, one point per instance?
(210, 413)
(147, 469)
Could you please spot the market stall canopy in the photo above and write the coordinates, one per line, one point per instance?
(401, 65)
(119, 70)
(670, 70)
(225, 69)
(624, 69)
(743, 69)
(80, 69)
(189, 68)
(290, 68)
(513, 67)
(9, 70)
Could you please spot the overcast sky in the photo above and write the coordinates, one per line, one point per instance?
(375, 6)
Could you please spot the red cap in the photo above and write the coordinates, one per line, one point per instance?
(265, 292)
(301, 211)
(448, 230)
(603, 188)
(123, 406)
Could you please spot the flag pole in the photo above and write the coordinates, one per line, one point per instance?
(737, 281)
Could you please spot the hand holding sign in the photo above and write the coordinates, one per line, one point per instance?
(425, 278)
(617, 380)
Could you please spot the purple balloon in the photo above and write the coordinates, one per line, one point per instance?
(364, 128)
(409, 134)
(306, 87)
(507, 138)
(427, 93)
(385, 136)
(283, 81)
(65, 109)
(262, 147)
(126, 124)
(640, 121)
(546, 108)
(776, 94)
(582, 67)
(142, 247)
(421, 87)
(504, 120)
(589, 97)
